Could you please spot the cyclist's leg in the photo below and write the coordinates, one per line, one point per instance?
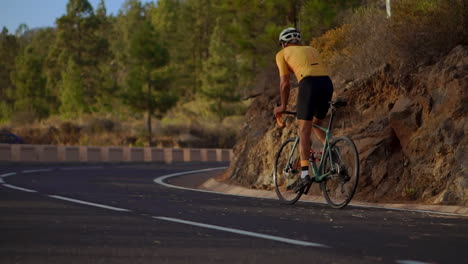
(304, 131)
(305, 112)
(318, 132)
(322, 98)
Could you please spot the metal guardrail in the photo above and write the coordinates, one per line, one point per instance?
(52, 153)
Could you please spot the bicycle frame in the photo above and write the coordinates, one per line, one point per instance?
(318, 176)
(332, 170)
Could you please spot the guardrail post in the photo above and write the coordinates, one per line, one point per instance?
(186, 154)
(168, 155)
(112, 154)
(211, 155)
(204, 154)
(134, 154)
(24, 153)
(177, 155)
(219, 155)
(195, 155)
(69, 153)
(226, 155)
(94, 154)
(47, 153)
(154, 154)
(5, 152)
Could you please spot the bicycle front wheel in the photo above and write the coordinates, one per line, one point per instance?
(287, 171)
(340, 186)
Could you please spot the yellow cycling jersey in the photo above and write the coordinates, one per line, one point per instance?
(303, 61)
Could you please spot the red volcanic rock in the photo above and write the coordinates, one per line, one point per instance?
(410, 130)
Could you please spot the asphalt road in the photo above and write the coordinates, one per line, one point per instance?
(119, 214)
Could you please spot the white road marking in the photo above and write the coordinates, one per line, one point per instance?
(160, 180)
(7, 174)
(243, 232)
(2, 181)
(18, 188)
(89, 203)
(410, 262)
(33, 171)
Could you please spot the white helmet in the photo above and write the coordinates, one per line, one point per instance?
(289, 34)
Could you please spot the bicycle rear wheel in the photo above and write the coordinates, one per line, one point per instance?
(287, 171)
(341, 185)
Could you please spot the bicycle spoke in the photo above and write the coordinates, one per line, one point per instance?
(339, 188)
(287, 172)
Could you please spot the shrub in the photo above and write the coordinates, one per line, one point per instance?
(417, 33)
(332, 43)
(424, 29)
(98, 125)
(24, 117)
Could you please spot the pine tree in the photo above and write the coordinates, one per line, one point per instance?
(80, 39)
(147, 86)
(171, 22)
(219, 80)
(101, 10)
(129, 18)
(72, 91)
(30, 93)
(9, 49)
(106, 68)
(41, 43)
(198, 24)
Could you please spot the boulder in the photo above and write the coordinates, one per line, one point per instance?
(405, 119)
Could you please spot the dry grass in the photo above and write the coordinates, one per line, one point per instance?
(419, 32)
(178, 129)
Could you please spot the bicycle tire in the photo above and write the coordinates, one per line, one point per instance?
(334, 186)
(284, 182)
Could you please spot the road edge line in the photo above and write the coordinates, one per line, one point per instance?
(160, 180)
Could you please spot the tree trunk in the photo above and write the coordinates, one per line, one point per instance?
(150, 138)
(150, 111)
(293, 13)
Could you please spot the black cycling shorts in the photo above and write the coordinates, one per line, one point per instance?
(315, 93)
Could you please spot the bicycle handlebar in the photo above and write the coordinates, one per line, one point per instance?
(278, 117)
(333, 105)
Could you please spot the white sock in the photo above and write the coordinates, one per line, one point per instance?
(304, 173)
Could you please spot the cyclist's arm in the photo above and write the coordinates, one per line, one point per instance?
(284, 90)
(284, 79)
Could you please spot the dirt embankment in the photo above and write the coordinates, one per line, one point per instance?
(410, 131)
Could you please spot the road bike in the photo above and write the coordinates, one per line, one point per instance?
(336, 168)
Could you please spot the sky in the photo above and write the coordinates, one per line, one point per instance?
(42, 13)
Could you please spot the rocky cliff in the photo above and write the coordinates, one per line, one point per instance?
(410, 130)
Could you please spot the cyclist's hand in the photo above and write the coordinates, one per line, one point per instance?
(278, 110)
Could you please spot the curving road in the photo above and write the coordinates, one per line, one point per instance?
(134, 214)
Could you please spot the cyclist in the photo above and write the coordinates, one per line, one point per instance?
(315, 92)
